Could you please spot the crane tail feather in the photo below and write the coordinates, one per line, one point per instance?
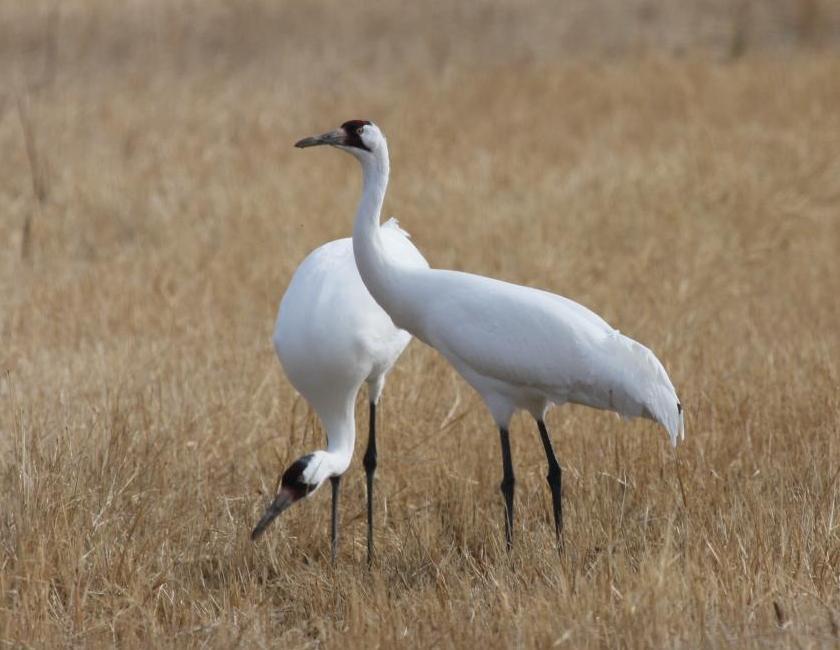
(647, 389)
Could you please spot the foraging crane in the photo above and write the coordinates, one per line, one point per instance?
(331, 337)
(519, 347)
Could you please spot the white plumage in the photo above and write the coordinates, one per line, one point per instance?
(519, 347)
(526, 348)
(331, 337)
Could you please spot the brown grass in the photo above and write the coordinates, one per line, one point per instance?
(143, 417)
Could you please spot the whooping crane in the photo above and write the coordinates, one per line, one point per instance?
(519, 347)
(331, 337)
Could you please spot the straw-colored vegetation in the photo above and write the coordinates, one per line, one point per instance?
(674, 166)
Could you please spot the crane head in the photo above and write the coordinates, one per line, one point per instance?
(299, 481)
(358, 137)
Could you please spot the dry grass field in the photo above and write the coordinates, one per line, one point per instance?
(673, 166)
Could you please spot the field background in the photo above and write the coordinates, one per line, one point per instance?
(672, 165)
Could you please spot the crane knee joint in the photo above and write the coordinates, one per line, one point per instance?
(369, 461)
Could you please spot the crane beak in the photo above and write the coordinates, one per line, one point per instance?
(281, 502)
(332, 138)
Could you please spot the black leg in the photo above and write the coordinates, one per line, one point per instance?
(370, 468)
(336, 484)
(508, 482)
(554, 478)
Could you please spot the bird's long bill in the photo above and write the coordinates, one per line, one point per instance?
(331, 137)
(281, 502)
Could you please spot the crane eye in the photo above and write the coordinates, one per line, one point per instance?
(360, 129)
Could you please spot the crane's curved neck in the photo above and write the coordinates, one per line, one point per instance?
(340, 425)
(372, 260)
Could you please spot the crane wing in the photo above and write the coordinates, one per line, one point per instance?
(509, 332)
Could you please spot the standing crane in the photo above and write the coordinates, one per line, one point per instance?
(331, 337)
(519, 347)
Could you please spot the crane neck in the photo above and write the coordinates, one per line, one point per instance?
(378, 270)
(340, 427)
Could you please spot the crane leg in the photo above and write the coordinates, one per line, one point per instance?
(507, 486)
(554, 479)
(336, 484)
(370, 469)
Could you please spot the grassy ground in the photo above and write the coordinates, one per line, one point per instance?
(676, 171)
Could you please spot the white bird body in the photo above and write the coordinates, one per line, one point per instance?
(519, 347)
(524, 348)
(331, 337)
